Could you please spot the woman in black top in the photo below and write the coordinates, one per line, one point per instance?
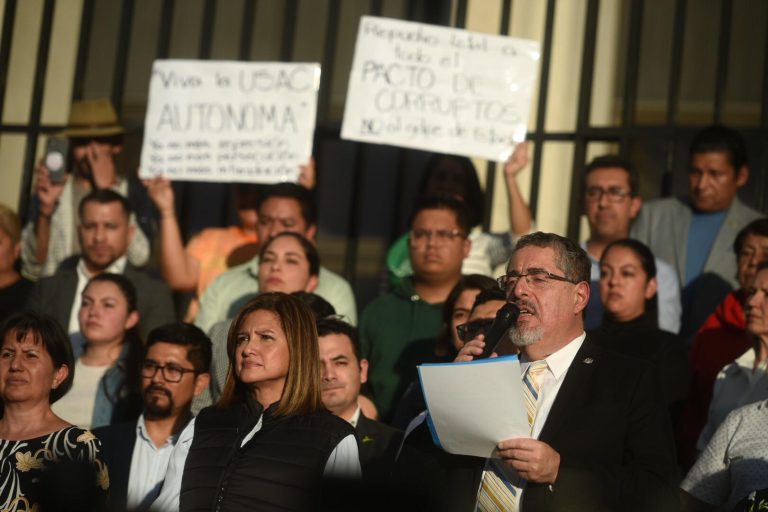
(630, 326)
(269, 441)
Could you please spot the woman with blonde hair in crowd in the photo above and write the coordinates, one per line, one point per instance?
(269, 438)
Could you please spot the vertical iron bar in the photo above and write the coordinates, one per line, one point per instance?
(490, 168)
(541, 111)
(83, 47)
(763, 174)
(206, 32)
(38, 88)
(461, 14)
(9, 16)
(673, 93)
(582, 119)
(329, 59)
(633, 66)
(289, 29)
(166, 24)
(121, 58)
(676, 62)
(401, 209)
(723, 50)
(246, 30)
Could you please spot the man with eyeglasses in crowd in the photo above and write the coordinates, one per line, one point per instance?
(696, 234)
(174, 371)
(397, 330)
(611, 203)
(600, 436)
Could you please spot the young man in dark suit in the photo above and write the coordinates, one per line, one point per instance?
(344, 371)
(600, 438)
(174, 370)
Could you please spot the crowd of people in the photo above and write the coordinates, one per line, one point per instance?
(643, 351)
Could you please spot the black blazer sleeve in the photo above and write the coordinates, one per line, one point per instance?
(610, 426)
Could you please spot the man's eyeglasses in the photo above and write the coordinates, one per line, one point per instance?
(171, 372)
(470, 330)
(535, 278)
(442, 236)
(614, 194)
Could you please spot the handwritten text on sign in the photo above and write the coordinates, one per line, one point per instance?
(229, 121)
(439, 89)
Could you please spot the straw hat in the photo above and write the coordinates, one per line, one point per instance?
(92, 118)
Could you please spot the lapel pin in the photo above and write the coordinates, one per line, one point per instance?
(588, 360)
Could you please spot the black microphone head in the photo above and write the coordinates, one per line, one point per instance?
(508, 313)
(505, 317)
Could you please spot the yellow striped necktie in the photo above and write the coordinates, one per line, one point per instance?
(497, 493)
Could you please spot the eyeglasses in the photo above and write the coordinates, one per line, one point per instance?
(535, 277)
(442, 236)
(470, 330)
(614, 194)
(171, 372)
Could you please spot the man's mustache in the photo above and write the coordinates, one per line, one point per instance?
(161, 389)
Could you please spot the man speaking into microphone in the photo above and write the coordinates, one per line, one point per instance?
(600, 438)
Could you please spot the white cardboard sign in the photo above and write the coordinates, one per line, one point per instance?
(439, 89)
(229, 121)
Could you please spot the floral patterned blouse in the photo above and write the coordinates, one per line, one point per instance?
(24, 465)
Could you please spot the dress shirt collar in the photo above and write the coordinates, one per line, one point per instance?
(117, 267)
(141, 433)
(558, 362)
(355, 417)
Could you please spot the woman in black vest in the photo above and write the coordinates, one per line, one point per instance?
(268, 442)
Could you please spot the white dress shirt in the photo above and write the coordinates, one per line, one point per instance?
(344, 462)
(551, 380)
(148, 467)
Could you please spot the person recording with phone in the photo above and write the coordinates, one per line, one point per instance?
(77, 161)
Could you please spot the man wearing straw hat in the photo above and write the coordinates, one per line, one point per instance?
(50, 236)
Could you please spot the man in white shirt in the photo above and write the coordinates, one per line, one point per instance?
(600, 438)
(174, 370)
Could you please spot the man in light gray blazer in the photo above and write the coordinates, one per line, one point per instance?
(696, 234)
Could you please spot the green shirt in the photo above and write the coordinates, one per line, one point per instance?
(397, 332)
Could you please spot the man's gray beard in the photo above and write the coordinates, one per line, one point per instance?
(523, 338)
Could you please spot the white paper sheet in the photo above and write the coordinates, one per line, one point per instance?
(475, 405)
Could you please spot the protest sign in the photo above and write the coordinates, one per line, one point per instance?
(229, 121)
(439, 89)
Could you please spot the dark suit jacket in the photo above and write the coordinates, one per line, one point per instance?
(378, 445)
(611, 429)
(117, 442)
(55, 295)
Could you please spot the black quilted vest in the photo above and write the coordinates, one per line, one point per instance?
(280, 468)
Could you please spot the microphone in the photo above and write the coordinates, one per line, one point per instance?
(505, 317)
